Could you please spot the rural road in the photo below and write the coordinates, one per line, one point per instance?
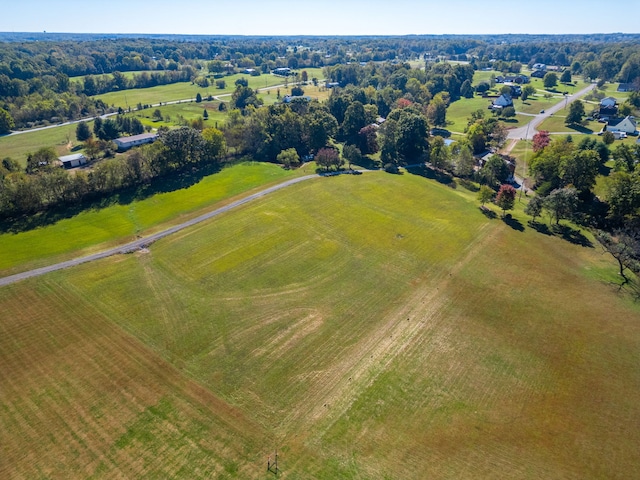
(107, 115)
(144, 242)
(529, 130)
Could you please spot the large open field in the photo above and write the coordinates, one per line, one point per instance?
(187, 90)
(367, 327)
(62, 139)
(129, 215)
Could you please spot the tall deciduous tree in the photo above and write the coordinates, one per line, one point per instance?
(411, 137)
(506, 198)
(6, 122)
(328, 157)
(561, 203)
(550, 80)
(354, 120)
(289, 158)
(485, 194)
(541, 140)
(576, 112)
(534, 207)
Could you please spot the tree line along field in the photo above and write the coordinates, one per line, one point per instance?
(362, 338)
(188, 90)
(125, 216)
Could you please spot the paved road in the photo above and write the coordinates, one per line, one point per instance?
(107, 115)
(144, 242)
(529, 130)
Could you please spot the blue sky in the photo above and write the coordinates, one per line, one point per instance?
(320, 17)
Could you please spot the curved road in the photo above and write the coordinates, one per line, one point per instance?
(146, 241)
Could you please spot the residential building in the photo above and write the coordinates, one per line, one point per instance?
(125, 143)
(627, 125)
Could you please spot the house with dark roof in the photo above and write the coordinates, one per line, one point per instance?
(629, 87)
(125, 143)
(608, 107)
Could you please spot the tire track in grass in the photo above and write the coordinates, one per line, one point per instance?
(335, 390)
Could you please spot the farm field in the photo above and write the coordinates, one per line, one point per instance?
(62, 139)
(76, 234)
(175, 113)
(187, 90)
(360, 337)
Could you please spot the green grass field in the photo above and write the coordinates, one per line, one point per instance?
(62, 139)
(96, 229)
(187, 90)
(187, 110)
(361, 337)
(555, 123)
(459, 112)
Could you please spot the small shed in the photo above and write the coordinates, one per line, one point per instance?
(72, 161)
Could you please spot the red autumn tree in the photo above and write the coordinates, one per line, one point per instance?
(541, 140)
(506, 198)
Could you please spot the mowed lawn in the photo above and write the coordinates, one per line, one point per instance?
(99, 228)
(187, 90)
(376, 326)
(18, 147)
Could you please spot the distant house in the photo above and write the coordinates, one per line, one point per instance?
(539, 66)
(513, 78)
(538, 74)
(627, 125)
(608, 106)
(125, 143)
(72, 161)
(284, 71)
(249, 70)
(628, 87)
(332, 84)
(516, 91)
(294, 98)
(501, 102)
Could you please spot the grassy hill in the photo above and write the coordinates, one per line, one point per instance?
(377, 326)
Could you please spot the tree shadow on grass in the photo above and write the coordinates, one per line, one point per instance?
(572, 235)
(487, 212)
(513, 223)
(581, 129)
(540, 227)
(169, 183)
(433, 174)
(368, 163)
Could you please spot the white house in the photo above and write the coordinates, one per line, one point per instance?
(627, 125)
(125, 143)
(502, 101)
(72, 161)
